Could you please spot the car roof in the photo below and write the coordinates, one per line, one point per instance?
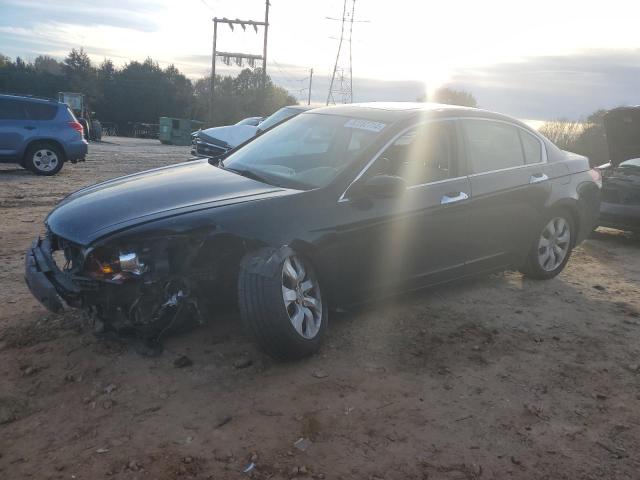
(302, 108)
(30, 98)
(395, 111)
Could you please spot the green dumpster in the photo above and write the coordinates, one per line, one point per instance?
(177, 131)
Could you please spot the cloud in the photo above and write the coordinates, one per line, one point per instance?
(116, 13)
(295, 79)
(550, 87)
(540, 88)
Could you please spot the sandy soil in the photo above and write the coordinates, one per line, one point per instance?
(495, 377)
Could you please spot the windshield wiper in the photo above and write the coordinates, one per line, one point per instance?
(248, 173)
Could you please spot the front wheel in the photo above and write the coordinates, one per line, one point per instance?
(550, 252)
(281, 303)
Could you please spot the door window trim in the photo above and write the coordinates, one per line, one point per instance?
(543, 147)
(344, 198)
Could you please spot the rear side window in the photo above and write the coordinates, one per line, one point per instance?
(532, 148)
(492, 145)
(41, 111)
(12, 110)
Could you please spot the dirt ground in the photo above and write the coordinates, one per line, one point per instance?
(495, 377)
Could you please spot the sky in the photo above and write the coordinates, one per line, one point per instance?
(541, 60)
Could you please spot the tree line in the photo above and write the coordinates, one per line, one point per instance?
(142, 91)
(586, 137)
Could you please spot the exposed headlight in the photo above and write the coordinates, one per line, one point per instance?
(107, 264)
(130, 262)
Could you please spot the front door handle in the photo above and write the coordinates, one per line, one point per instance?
(538, 177)
(453, 197)
(29, 127)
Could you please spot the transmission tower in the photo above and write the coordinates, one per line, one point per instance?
(343, 90)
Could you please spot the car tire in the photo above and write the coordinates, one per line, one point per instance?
(44, 158)
(281, 303)
(551, 249)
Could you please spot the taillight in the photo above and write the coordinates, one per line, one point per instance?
(596, 176)
(77, 126)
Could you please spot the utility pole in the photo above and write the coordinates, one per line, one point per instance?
(213, 71)
(310, 81)
(264, 49)
(353, 10)
(237, 56)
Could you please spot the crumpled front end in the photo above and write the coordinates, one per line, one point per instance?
(137, 288)
(50, 285)
(202, 146)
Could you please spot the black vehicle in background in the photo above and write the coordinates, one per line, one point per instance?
(621, 176)
(335, 206)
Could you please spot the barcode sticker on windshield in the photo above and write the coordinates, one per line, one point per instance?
(365, 125)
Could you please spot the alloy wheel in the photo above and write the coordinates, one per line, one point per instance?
(301, 295)
(45, 160)
(554, 244)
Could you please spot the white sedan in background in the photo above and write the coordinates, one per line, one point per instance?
(216, 141)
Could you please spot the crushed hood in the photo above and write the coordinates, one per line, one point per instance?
(96, 211)
(232, 135)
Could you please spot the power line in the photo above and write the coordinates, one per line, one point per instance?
(281, 70)
(204, 2)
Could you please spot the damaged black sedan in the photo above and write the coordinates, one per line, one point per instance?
(336, 206)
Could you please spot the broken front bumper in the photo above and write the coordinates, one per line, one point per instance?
(52, 287)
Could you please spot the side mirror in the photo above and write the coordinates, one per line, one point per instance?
(384, 186)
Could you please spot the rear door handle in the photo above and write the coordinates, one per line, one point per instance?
(453, 197)
(29, 127)
(538, 177)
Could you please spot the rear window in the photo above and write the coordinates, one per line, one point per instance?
(532, 148)
(12, 109)
(70, 115)
(41, 111)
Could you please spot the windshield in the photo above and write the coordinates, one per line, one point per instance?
(253, 121)
(277, 117)
(306, 152)
(634, 162)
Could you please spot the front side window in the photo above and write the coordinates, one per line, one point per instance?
(306, 152)
(424, 154)
(492, 145)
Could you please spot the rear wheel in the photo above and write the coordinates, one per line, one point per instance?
(281, 303)
(550, 252)
(44, 159)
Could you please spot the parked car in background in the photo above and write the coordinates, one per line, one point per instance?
(335, 206)
(621, 176)
(39, 134)
(216, 141)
